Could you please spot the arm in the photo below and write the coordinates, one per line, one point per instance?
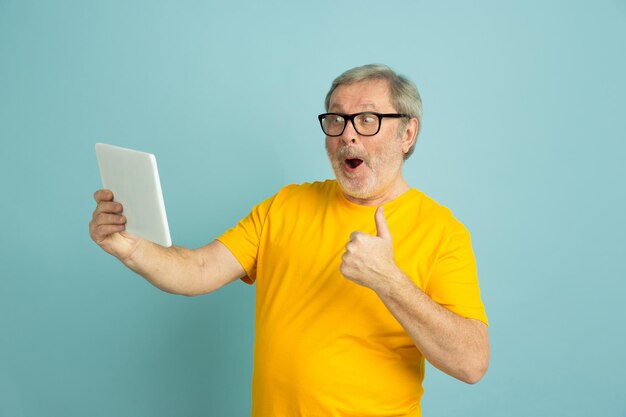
(456, 345)
(175, 269)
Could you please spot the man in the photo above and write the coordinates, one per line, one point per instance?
(358, 280)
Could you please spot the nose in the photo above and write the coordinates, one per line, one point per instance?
(349, 134)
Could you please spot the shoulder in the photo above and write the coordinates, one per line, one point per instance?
(433, 214)
(307, 193)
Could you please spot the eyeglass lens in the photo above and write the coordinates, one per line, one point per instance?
(365, 124)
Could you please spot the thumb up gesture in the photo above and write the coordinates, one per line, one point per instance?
(368, 260)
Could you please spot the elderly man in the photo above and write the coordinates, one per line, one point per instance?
(359, 279)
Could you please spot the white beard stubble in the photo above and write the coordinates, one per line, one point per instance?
(383, 170)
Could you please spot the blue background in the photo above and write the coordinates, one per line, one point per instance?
(523, 138)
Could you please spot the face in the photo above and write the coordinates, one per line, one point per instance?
(368, 168)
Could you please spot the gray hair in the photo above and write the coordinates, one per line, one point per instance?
(403, 93)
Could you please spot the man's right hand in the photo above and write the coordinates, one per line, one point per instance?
(107, 227)
(173, 269)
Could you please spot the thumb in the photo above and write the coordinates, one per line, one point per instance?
(382, 230)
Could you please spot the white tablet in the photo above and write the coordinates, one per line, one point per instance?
(134, 179)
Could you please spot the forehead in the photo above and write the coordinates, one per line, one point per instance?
(363, 95)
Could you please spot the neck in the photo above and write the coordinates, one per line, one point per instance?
(384, 196)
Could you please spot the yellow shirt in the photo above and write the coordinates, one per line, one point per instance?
(325, 346)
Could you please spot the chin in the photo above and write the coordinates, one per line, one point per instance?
(356, 188)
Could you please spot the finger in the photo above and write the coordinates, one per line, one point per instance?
(106, 218)
(103, 195)
(108, 207)
(344, 268)
(382, 230)
(108, 229)
(99, 233)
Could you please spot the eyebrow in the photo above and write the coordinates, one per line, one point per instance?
(366, 107)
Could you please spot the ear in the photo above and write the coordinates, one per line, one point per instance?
(410, 134)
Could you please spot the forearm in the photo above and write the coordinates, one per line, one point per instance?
(456, 345)
(176, 270)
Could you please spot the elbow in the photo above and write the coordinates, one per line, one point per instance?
(189, 289)
(192, 292)
(188, 294)
(475, 371)
(178, 291)
(474, 376)
(477, 359)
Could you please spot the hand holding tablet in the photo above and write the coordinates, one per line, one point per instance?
(133, 178)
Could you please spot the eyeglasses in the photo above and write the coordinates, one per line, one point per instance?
(365, 123)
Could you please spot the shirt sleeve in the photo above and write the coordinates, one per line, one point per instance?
(454, 279)
(244, 239)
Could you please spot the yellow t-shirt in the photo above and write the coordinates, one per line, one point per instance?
(325, 346)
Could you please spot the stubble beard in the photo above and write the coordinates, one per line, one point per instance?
(363, 185)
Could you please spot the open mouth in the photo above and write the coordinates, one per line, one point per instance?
(353, 163)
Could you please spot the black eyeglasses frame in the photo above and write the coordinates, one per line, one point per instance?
(350, 118)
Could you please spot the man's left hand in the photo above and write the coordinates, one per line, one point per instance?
(368, 260)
